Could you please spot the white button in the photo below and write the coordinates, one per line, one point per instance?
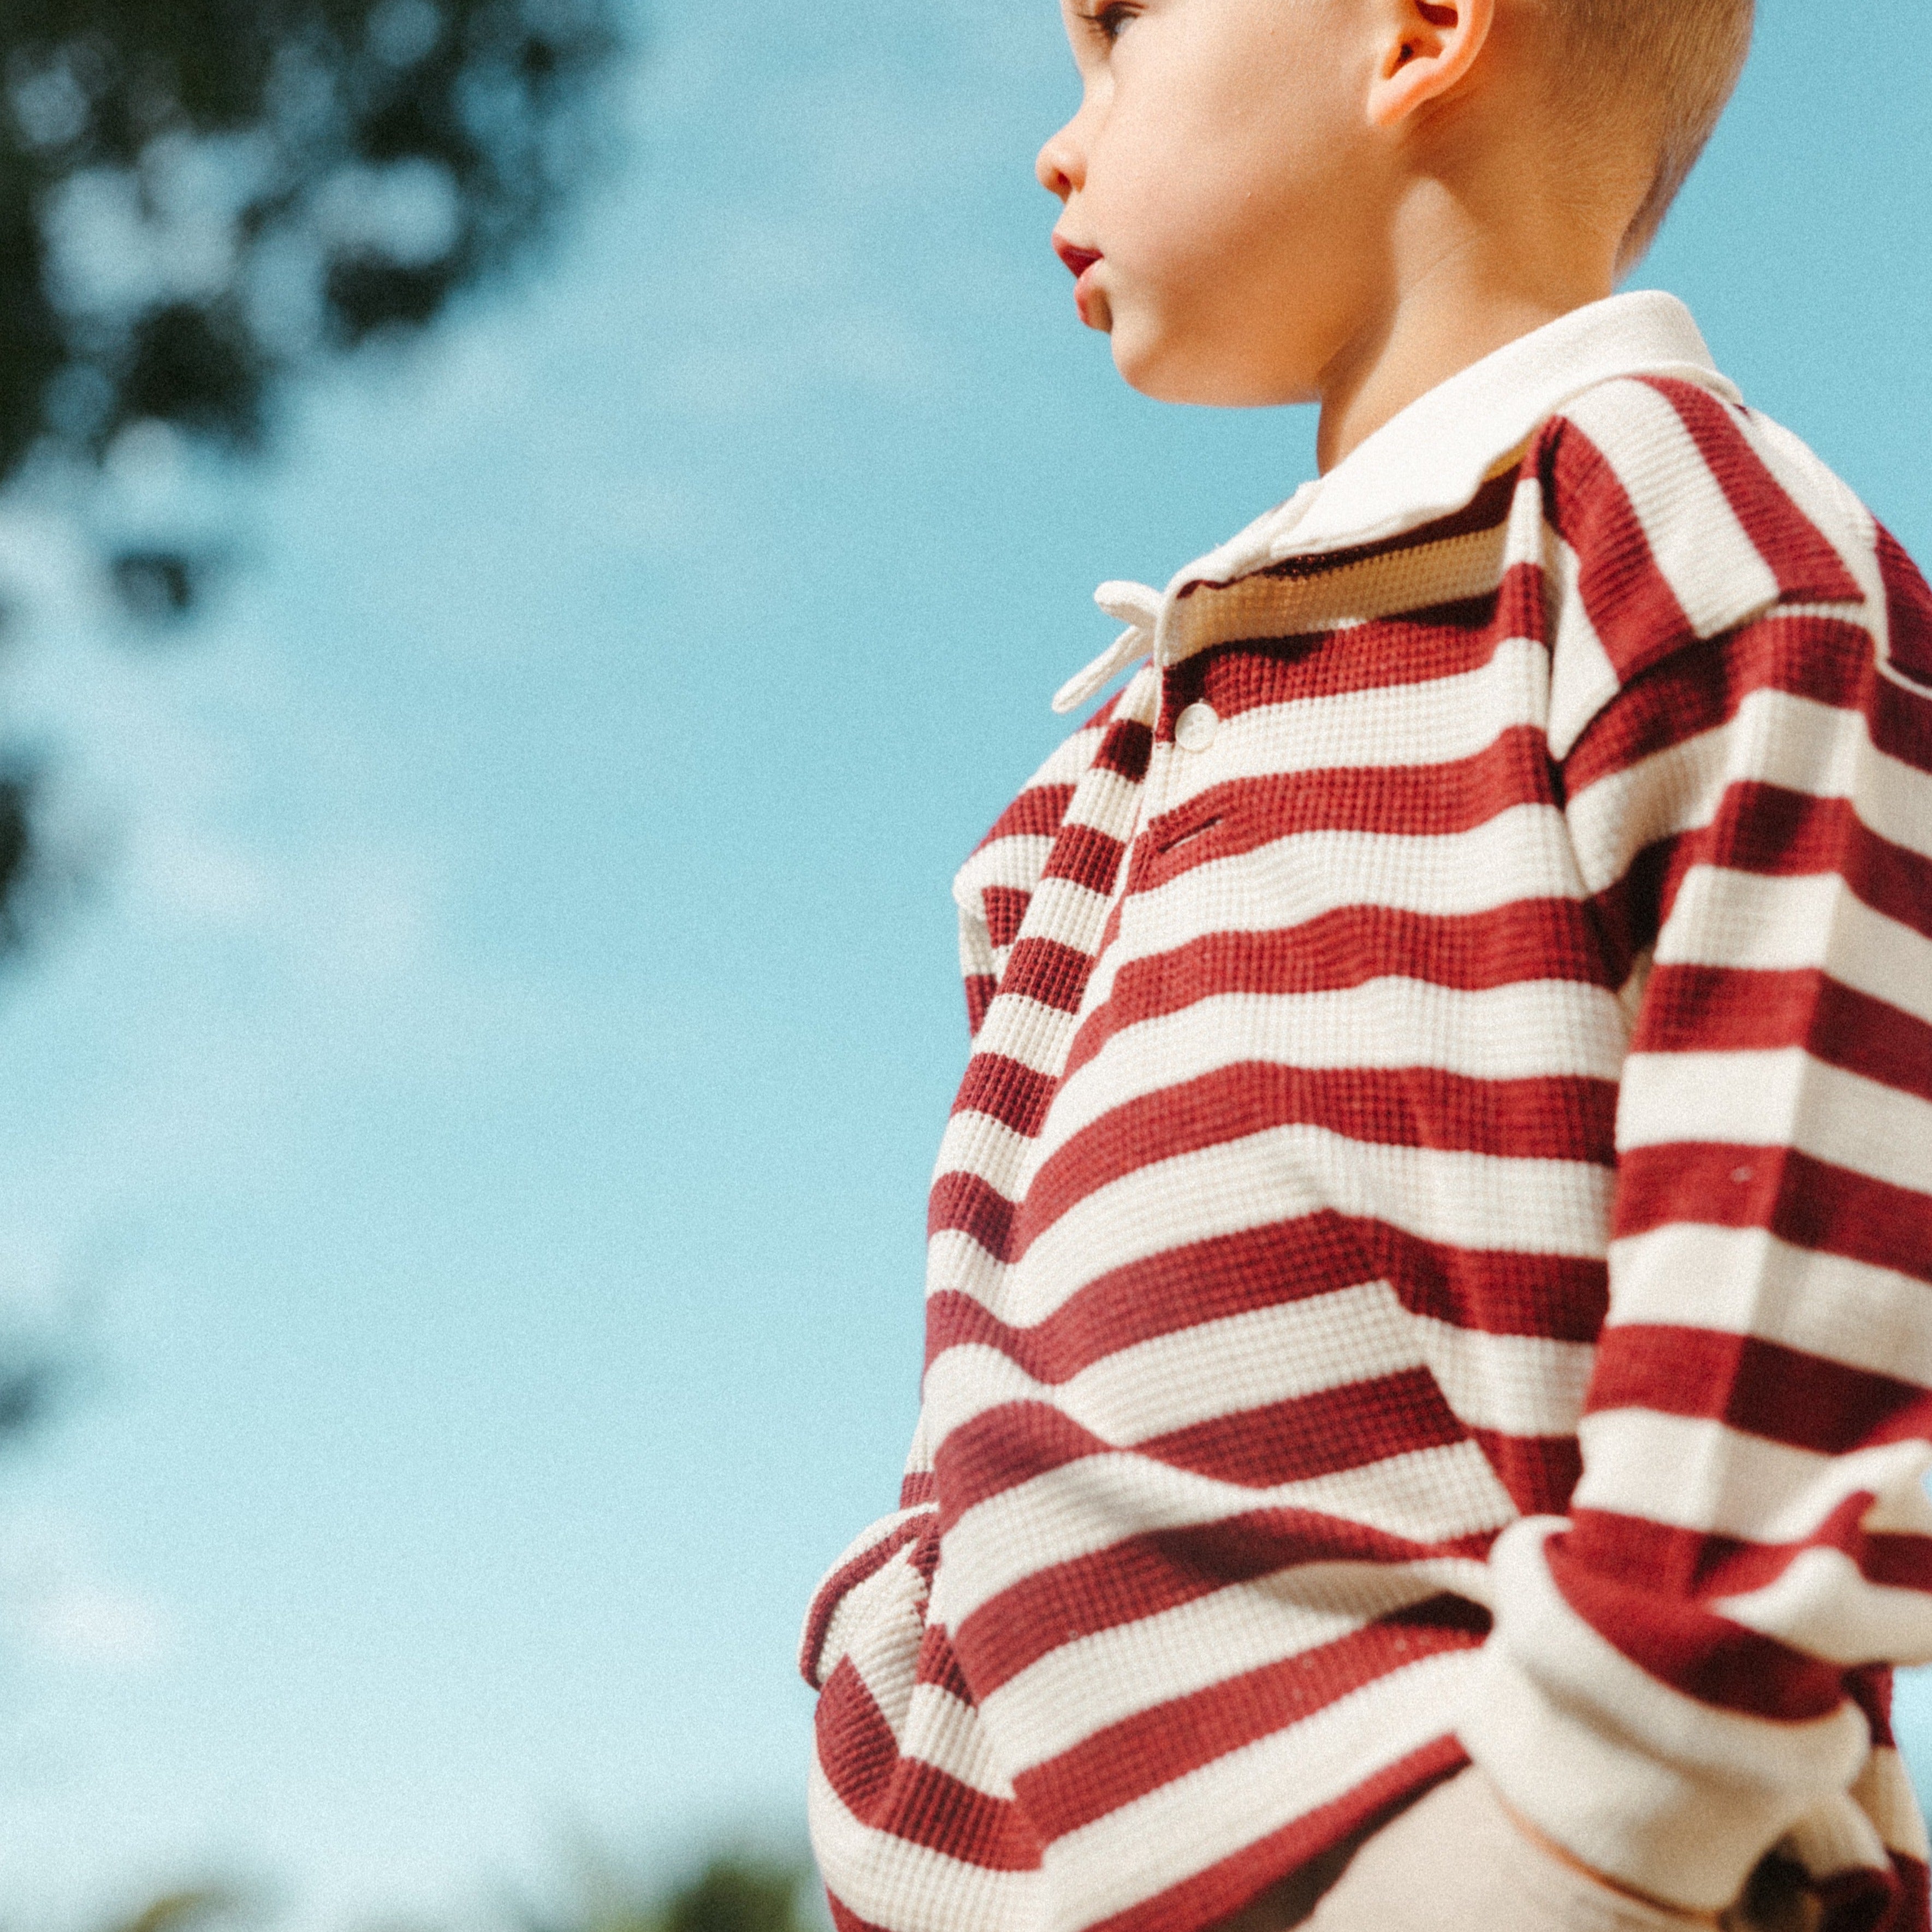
(1194, 730)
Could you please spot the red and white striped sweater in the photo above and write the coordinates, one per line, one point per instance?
(1432, 1258)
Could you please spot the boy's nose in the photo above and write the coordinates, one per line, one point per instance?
(1058, 168)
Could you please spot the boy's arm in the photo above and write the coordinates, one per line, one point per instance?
(1674, 1679)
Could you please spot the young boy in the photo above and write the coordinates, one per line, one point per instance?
(1429, 1362)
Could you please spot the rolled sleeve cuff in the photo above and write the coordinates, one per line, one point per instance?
(1667, 1794)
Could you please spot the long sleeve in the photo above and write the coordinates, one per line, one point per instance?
(1690, 1667)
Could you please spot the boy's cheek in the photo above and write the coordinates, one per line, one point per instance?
(1171, 326)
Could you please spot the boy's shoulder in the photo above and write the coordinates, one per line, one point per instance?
(1660, 473)
(1675, 515)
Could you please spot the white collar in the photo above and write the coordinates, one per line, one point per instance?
(1430, 460)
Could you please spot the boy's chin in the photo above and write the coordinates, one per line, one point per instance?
(1148, 362)
(1168, 372)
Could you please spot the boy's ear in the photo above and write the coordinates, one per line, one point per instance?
(1429, 46)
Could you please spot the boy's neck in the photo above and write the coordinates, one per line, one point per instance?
(1449, 305)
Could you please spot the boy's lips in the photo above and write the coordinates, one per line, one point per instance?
(1078, 260)
(1082, 262)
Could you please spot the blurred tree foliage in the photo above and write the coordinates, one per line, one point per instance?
(734, 1892)
(196, 196)
(200, 200)
(184, 1911)
(737, 1895)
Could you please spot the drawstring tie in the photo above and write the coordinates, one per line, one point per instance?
(1137, 606)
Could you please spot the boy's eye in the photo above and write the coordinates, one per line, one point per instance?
(1107, 23)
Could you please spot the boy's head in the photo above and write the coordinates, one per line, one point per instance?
(1665, 68)
(1254, 190)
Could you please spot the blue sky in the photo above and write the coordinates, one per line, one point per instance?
(485, 1112)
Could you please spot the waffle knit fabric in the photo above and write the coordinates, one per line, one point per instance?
(1432, 1257)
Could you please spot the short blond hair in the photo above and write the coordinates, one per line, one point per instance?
(1663, 68)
